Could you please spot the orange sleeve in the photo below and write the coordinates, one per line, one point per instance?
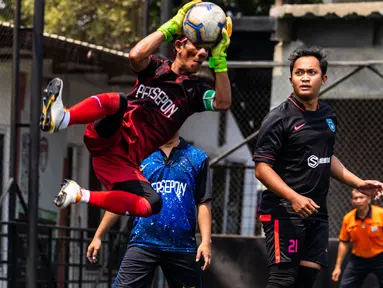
(344, 235)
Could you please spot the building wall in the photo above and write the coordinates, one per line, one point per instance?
(344, 41)
(5, 91)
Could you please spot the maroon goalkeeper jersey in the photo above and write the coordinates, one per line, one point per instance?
(160, 103)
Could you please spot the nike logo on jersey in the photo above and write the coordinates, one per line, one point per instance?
(143, 167)
(296, 128)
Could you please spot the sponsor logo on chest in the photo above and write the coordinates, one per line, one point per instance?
(170, 186)
(159, 97)
(313, 161)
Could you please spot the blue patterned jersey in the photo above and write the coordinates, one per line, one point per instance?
(183, 182)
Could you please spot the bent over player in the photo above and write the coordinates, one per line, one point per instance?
(294, 158)
(124, 129)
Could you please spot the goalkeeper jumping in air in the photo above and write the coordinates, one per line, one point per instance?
(124, 129)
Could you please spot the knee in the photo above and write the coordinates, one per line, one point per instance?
(155, 203)
(281, 276)
(108, 126)
(123, 103)
(113, 102)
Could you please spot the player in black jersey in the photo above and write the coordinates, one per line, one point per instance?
(294, 158)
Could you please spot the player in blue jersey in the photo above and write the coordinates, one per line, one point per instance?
(180, 173)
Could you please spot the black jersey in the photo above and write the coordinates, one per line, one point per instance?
(299, 145)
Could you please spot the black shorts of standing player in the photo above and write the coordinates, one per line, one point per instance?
(290, 241)
(139, 264)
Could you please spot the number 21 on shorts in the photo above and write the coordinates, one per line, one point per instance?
(293, 246)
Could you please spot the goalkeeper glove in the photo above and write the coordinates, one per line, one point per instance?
(174, 25)
(218, 52)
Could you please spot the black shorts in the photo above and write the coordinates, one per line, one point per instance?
(139, 264)
(293, 240)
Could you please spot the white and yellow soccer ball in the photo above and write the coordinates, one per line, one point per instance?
(203, 24)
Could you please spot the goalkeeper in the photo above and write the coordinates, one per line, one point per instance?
(124, 129)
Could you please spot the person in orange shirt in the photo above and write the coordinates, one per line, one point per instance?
(363, 226)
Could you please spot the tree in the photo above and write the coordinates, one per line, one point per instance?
(112, 23)
(6, 10)
(116, 23)
(250, 7)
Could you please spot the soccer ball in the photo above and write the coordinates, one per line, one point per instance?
(203, 24)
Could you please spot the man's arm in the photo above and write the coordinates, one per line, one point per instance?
(344, 238)
(139, 55)
(203, 195)
(303, 206)
(222, 100)
(107, 222)
(266, 174)
(204, 223)
(342, 252)
(342, 174)
(368, 187)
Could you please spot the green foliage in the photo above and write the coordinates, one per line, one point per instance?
(112, 23)
(6, 11)
(249, 7)
(116, 23)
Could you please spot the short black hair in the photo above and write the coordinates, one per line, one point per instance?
(308, 50)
